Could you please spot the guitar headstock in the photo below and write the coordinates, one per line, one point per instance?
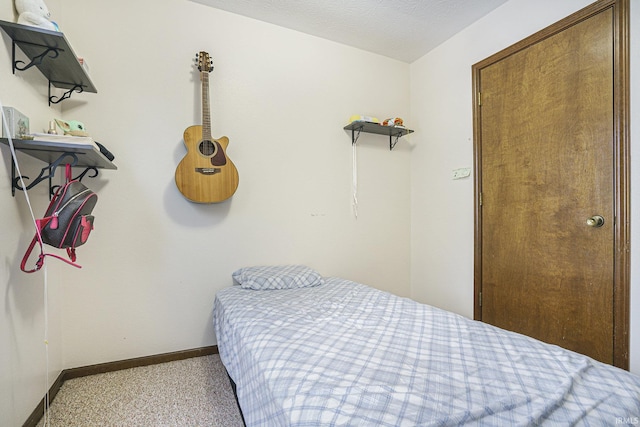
(204, 62)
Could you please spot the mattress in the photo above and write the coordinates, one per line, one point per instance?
(343, 353)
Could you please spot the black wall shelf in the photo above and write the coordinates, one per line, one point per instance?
(369, 127)
(50, 52)
(57, 153)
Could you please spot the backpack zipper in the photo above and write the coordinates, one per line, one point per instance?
(54, 220)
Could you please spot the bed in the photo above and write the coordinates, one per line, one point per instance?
(304, 350)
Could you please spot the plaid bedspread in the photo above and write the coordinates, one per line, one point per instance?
(345, 354)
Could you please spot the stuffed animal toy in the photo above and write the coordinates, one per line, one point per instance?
(35, 13)
(72, 127)
(394, 121)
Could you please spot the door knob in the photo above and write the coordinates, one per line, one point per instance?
(595, 221)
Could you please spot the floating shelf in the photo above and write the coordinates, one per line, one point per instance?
(85, 155)
(368, 127)
(50, 52)
(48, 151)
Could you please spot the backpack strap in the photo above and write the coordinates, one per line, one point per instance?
(71, 252)
(40, 223)
(68, 173)
(65, 260)
(40, 261)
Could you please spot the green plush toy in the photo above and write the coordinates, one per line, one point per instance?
(72, 127)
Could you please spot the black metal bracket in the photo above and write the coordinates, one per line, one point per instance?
(46, 173)
(93, 169)
(66, 95)
(361, 127)
(36, 60)
(355, 136)
(392, 143)
(51, 53)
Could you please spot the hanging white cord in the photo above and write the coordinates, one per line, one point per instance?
(46, 287)
(354, 182)
(46, 347)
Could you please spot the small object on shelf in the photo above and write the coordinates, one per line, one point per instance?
(59, 138)
(108, 154)
(35, 13)
(359, 118)
(394, 121)
(17, 123)
(72, 127)
(84, 64)
(366, 127)
(52, 128)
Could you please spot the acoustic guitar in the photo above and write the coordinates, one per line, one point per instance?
(206, 174)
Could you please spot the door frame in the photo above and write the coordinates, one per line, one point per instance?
(621, 118)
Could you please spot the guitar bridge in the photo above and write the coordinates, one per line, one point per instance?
(208, 171)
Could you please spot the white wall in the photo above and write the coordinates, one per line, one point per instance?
(441, 110)
(155, 261)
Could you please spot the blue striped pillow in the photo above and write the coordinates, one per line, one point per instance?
(277, 277)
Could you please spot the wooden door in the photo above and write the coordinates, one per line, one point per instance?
(549, 168)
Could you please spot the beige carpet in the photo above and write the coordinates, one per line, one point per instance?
(191, 392)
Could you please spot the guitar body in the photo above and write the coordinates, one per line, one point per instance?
(206, 174)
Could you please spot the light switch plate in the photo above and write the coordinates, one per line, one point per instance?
(461, 173)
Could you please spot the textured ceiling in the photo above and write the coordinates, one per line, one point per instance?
(400, 29)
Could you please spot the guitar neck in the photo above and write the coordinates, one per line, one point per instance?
(206, 113)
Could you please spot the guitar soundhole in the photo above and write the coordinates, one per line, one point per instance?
(207, 148)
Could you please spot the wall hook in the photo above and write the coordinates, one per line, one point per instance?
(46, 173)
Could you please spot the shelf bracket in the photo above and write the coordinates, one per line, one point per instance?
(51, 53)
(355, 136)
(36, 60)
(66, 95)
(393, 143)
(46, 173)
(87, 169)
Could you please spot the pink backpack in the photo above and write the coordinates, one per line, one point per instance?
(66, 224)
